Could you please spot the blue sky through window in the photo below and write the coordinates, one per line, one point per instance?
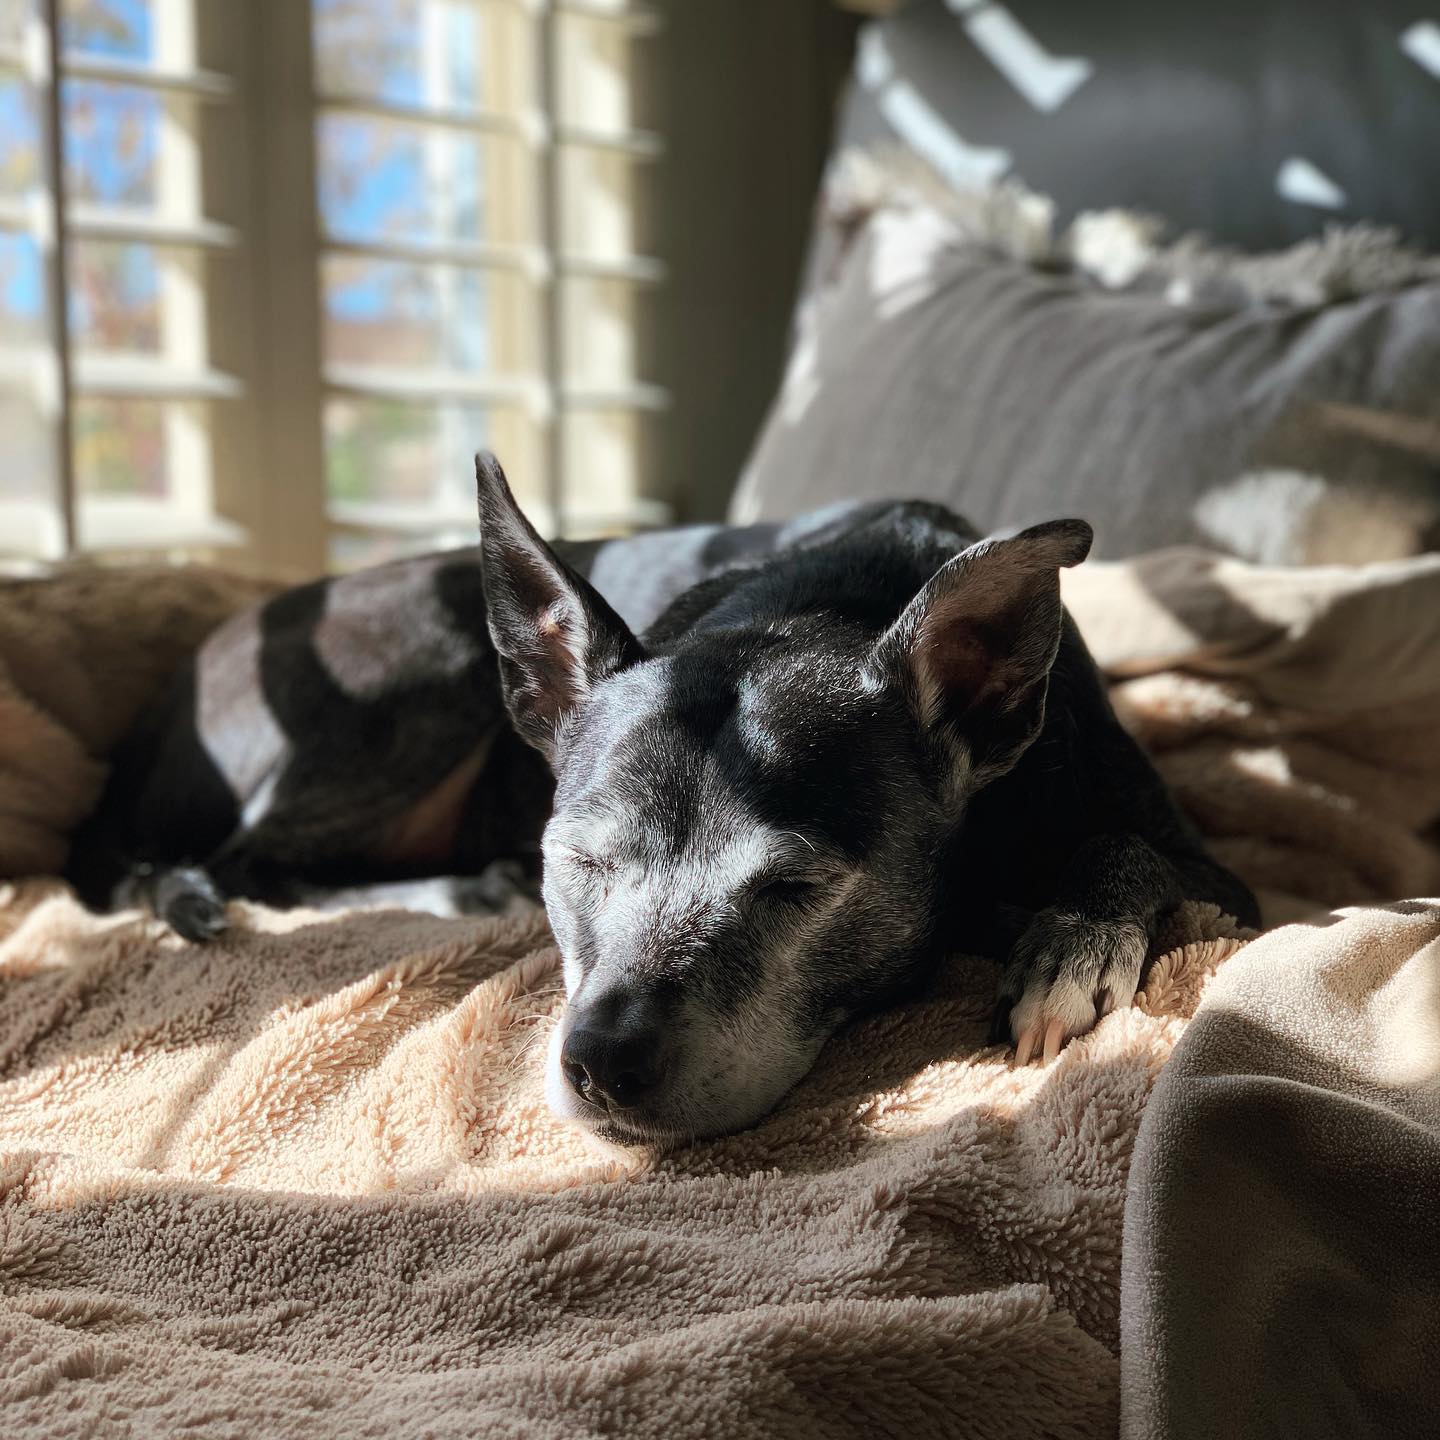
(373, 186)
(373, 175)
(110, 146)
(20, 279)
(107, 27)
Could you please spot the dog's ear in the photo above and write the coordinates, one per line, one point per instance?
(973, 650)
(554, 635)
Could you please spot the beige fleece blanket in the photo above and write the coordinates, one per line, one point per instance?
(302, 1183)
(1282, 1238)
(1295, 713)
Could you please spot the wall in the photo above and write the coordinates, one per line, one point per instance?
(746, 99)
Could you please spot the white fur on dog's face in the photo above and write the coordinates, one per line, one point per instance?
(734, 1050)
(666, 878)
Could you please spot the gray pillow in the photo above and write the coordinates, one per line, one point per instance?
(1258, 123)
(1284, 408)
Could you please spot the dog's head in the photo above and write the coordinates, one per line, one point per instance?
(749, 822)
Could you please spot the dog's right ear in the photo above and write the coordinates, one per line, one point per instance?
(554, 635)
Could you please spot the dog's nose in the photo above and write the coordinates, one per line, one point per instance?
(613, 1055)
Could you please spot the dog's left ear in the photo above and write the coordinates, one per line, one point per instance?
(554, 635)
(973, 650)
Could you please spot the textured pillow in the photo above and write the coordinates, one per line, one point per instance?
(1285, 408)
(1256, 123)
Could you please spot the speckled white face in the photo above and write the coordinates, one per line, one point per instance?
(737, 1034)
(684, 874)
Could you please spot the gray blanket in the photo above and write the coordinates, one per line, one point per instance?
(1281, 1271)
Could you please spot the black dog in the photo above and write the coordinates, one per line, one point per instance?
(817, 757)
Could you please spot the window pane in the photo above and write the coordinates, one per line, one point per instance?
(596, 86)
(604, 194)
(392, 180)
(384, 312)
(407, 461)
(111, 143)
(22, 294)
(107, 27)
(19, 137)
(29, 517)
(394, 451)
(142, 473)
(119, 447)
(603, 468)
(604, 330)
(30, 521)
(447, 54)
(114, 297)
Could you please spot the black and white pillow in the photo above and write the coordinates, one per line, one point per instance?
(1255, 121)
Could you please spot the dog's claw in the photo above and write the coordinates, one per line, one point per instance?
(1046, 1043)
(1000, 1021)
(1054, 1038)
(1029, 1042)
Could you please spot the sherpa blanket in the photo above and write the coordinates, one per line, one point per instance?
(303, 1183)
(1295, 713)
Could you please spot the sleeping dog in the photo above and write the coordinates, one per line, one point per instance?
(770, 776)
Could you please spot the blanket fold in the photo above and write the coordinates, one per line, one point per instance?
(1281, 1225)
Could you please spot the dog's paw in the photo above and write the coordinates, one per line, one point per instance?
(1066, 972)
(187, 900)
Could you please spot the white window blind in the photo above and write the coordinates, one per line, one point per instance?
(104, 264)
(307, 258)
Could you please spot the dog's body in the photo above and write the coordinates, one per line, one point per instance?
(350, 735)
(839, 749)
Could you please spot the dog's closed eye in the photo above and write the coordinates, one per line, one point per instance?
(588, 864)
(587, 877)
(784, 890)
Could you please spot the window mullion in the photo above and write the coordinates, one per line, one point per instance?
(551, 232)
(278, 469)
(58, 390)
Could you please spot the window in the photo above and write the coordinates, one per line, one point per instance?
(105, 383)
(304, 263)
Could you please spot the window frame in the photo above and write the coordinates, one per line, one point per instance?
(241, 254)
